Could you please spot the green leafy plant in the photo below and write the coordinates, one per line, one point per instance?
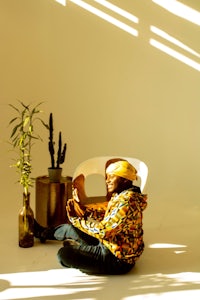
(22, 136)
(61, 153)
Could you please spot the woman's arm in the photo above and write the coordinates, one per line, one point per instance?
(112, 219)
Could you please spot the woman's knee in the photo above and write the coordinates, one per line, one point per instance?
(62, 256)
(62, 232)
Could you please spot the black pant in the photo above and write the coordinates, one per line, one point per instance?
(90, 256)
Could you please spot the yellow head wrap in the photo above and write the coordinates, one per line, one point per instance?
(123, 169)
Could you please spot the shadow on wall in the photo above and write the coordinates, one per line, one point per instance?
(160, 39)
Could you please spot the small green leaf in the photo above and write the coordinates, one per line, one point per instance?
(13, 120)
(15, 108)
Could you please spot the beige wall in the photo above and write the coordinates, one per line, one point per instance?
(110, 92)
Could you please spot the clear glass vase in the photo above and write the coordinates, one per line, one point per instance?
(26, 223)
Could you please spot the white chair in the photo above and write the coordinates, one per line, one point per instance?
(97, 165)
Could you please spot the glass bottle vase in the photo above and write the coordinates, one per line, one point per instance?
(26, 223)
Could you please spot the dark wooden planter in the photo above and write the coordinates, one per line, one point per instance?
(51, 200)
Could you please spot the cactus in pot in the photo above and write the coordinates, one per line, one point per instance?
(55, 170)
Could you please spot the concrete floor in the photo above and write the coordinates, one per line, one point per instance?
(168, 269)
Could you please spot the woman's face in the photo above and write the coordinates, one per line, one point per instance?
(115, 184)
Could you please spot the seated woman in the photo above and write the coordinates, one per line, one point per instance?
(111, 244)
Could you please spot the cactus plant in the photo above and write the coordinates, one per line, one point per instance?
(61, 153)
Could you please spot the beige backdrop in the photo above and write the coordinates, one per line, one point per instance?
(111, 92)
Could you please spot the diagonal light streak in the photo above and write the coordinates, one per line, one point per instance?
(171, 39)
(106, 17)
(180, 10)
(118, 10)
(63, 2)
(172, 6)
(175, 54)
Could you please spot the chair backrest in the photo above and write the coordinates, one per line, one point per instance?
(97, 165)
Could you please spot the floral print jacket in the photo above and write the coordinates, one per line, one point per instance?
(120, 230)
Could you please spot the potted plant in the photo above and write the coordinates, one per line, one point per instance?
(55, 170)
(22, 137)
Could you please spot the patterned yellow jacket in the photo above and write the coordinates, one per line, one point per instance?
(121, 228)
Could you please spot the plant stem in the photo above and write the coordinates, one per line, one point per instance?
(51, 143)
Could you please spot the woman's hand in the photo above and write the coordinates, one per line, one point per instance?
(75, 209)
